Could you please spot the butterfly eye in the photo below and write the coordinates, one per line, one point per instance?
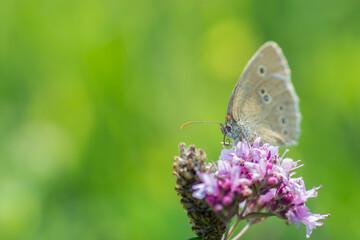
(228, 128)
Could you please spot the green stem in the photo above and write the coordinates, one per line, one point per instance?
(257, 215)
(244, 208)
(242, 231)
(226, 232)
(247, 216)
(238, 219)
(233, 227)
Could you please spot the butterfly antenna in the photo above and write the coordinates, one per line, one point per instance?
(198, 122)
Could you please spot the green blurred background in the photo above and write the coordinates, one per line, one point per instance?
(92, 94)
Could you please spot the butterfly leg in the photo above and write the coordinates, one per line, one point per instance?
(246, 139)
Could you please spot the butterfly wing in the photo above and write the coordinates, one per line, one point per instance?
(264, 98)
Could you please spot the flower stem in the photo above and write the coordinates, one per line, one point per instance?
(247, 216)
(238, 219)
(257, 215)
(244, 208)
(242, 231)
(224, 236)
(233, 227)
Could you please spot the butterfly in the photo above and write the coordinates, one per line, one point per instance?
(263, 102)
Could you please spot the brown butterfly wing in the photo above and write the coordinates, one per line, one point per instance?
(264, 98)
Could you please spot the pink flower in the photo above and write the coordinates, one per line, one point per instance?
(243, 150)
(301, 194)
(267, 197)
(223, 168)
(258, 174)
(208, 186)
(302, 214)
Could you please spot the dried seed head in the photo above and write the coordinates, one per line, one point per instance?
(204, 222)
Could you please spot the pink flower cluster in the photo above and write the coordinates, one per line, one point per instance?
(257, 178)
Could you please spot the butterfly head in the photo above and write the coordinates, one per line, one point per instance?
(226, 129)
(234, 130)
